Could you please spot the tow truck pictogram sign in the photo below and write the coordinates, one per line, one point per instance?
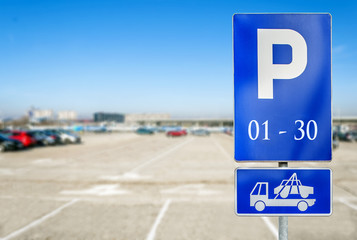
(296, 191)
(259, 195)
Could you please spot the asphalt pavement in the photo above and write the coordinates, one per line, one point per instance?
(127, 186)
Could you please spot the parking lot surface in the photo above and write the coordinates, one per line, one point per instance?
(128, 186)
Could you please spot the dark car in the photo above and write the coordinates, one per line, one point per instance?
(54, 135)
(7, 144)
(335, 140)
(41, 137)
(350, 136)
(144, 131)
(200, 132)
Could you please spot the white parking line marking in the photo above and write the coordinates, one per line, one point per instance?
(125, 176)
(190, 189)
(150, 161)
(133, 173)
(311, 163)
(6, 171)
(271, 226)
(152, 233)
(347, 203)
(99, 190)
(224, 151)
(49, 162)
(39, 221)
(43, 161)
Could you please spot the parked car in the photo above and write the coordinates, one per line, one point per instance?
(42, 138)
(353, 136)
(350, 136)
(228, 131)
(21, 136)
(200, 132)
(176, 133)
(7, 144)
(335, 140)
(53, 135)
(96, 129)
(144, 131)
(67, 136)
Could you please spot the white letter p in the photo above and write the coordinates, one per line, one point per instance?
(267, 71)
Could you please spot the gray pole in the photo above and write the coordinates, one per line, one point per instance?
(283, 221)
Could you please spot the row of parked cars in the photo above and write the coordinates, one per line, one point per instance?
(18, 139)
(174, 132)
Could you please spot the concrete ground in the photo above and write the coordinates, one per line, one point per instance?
(125, 186)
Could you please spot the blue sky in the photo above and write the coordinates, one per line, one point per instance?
(144, 56)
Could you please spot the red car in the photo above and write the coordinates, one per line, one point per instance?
(176, 133)
(21, 136)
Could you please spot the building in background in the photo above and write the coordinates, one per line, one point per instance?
(108, 117)
(38, 115)
(67, 115)
(146, 118)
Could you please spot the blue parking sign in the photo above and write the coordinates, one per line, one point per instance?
(283, 192)
(282, 87)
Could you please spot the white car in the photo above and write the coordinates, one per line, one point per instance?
(68, 137)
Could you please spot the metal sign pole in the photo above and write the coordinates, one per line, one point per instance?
(283, 221)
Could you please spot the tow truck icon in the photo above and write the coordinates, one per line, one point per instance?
(259, 197)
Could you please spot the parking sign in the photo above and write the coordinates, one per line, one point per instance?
(283, 192)
(282, 87)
